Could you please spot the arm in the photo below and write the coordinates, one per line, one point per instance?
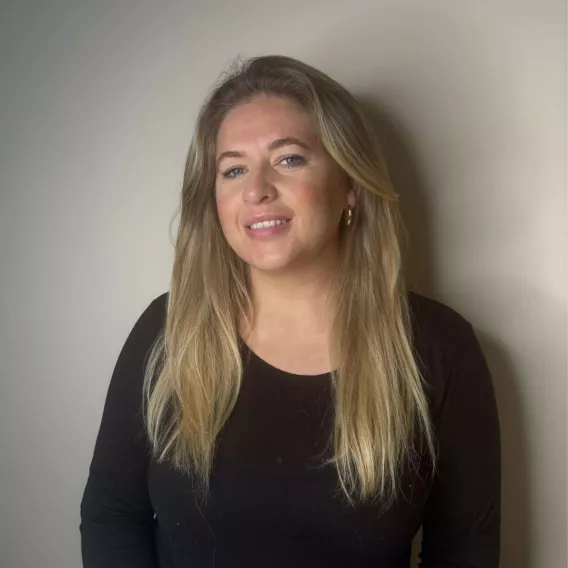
(117, 520)
(462, 520)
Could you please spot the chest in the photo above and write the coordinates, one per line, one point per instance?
(268, 483)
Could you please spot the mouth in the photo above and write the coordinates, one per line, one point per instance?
(269, 229)
(267, 224)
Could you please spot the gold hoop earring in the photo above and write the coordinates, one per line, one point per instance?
(349, 215)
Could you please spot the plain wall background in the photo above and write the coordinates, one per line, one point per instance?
(97, 107)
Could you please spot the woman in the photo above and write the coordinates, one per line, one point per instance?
(288, 403)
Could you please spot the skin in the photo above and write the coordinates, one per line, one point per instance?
(290, 272)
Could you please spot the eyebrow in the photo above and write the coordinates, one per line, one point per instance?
(275, 144)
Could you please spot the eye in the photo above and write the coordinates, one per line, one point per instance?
(233, 172)
(293, 160)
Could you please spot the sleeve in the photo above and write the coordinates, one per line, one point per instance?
(117, 520)
(461, 528)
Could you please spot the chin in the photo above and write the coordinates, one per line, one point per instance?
(268, 262)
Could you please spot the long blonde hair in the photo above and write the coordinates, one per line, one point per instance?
(195, 367)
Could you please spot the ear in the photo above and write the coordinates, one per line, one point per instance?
(353, 194)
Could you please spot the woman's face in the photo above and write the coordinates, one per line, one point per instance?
(272, 167)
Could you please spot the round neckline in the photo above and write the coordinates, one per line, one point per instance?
(277, 370)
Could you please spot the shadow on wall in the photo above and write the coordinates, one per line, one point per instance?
(421, 265)
(417, 216)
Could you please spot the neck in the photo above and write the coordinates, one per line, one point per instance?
(294, 300)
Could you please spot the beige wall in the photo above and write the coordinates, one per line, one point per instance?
(97, 105)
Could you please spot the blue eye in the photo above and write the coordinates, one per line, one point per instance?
(289, 161)
(293, 160)
(232, 173)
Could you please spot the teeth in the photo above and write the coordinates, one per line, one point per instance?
(267, 224)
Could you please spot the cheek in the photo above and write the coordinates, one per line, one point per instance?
(319, 201)
(226, 211)
(308, 196)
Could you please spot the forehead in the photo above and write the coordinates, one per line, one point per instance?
(263, 119)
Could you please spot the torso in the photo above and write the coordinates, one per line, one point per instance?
(304, 358)
(270, 494)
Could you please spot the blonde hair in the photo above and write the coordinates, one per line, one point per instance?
(195, 368)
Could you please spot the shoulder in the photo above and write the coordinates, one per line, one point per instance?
(154, 315)
(157, 309)
(148, 326)
(435, 323)
(446, 347)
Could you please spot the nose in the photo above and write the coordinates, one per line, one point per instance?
(259, 188)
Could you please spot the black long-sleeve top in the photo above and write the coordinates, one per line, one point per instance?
(269, 504)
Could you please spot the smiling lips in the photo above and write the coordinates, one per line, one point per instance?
(267, 225)
(266, 220)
